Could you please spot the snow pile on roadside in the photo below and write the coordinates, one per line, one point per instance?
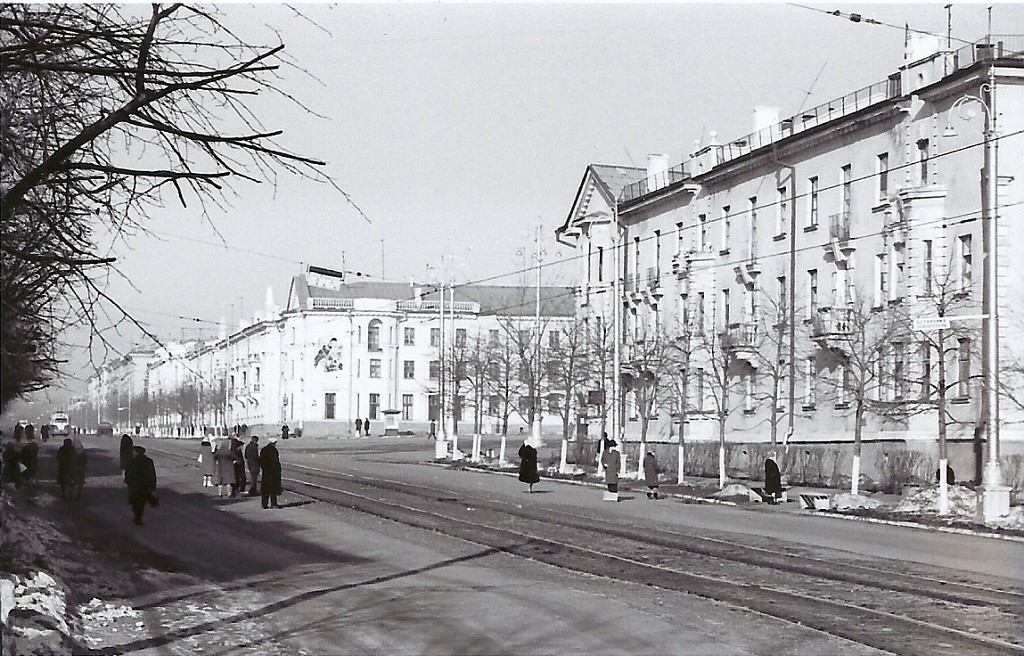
(847, 501)
(737, 490)
(962, 502)
(36, 616)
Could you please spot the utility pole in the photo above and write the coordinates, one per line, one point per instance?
(538, 406)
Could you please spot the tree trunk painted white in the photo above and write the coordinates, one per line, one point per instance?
(563, 466)
(721, 467)
(679, 475)
(440, 448)
(943, 488)
(623, 467)
(501, 452)
(855, 482)
(476, 448)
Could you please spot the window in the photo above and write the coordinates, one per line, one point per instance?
(554, 404)
(406, 407)
(409, 369)
(846, 174)
(679, 238)
(435, 369)
(753, 226)
(726, 227)
(899, 373)
(600, 263)
(702, 244)
(458, 403)
(881, 279)
(700, 314)
(524, 337)
(898, 274)
(922, 162)
(698, 391)
(883, 176)
(926, 370)
(809, 382)
(494, 336)
(748, 393)
(812, 292)
(781, 217)
(435, 337)
(494, 405)
(636, 262)
(524, 370)
(783, 298)
(329, 401)
(812, 219)
(410, 337)
(373, 336)
(374, 406)
(374, 367)
(963, 367)
(726, 309)
(460, 338)
(966, 260)
(657, 254)
(553, 339)
(928, 272)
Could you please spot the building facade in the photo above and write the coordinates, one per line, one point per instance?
(789, 284)
(341, 351)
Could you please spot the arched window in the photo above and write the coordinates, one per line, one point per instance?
(373, 336)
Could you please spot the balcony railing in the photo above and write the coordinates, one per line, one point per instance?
(462, 307)
(641, 187)
(839, 226)
(331, 303)
(741, 336)
(836, 322)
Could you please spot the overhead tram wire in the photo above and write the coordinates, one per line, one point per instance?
(855, 17)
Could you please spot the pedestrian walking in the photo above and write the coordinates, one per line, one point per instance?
(65, 463)
(252, 460)
(29, 456)
(651, 474)
(772, 479)
(44, 432)
(366, 426)
(206, 463)
(237, 467)
(12, 465)
(528, 465)
(126, 452)
(270, 465)
(140, 476)
(359, 426)
(224, 461)
(284, 432)
(30, 432)
(79, 463)
(611, 459)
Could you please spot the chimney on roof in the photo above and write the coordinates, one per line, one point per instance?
(765, 117)
(657, 171)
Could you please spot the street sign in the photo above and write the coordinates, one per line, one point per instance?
(928, 324)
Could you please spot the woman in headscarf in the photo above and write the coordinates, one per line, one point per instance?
(651, 474)
(127, 450)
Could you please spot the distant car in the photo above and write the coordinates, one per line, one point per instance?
(104, 430)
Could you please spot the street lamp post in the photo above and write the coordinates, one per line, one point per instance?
(993, 496)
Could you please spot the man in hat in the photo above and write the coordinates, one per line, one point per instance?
(140, 476)
(270, 465)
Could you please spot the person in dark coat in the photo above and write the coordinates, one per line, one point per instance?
(30, 456)
(284, 432)
(651, 474)
(611, 461)
(237, 467)
(140, 476)
(44, 432)
(359, 426)
(79, 463)
(206, 463)
(65, 465)
(528, 465)
(127, 451)
(270, 465)
(19, 432)
(252, 461)
(12, 461)
(772, 479)
(366, 426)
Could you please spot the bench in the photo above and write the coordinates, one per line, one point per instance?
(814, 501)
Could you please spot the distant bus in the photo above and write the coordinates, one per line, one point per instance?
(59, 423)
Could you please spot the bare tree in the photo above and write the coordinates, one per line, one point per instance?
(567, 374)
(108, 112)
(645, 370)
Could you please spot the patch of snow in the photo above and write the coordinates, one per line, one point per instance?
(962, 502)
(737, 490)
(847, 501)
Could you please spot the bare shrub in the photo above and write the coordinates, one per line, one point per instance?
(901, 467)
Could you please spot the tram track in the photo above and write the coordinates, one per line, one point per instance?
(887, 610)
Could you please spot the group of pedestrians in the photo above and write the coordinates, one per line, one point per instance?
(20, 457)
(226, 465)
(611, 460)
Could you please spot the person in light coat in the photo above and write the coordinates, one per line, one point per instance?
(206, 463)
(224, 461)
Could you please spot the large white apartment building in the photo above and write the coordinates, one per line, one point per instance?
(783, 272)
(343, 350)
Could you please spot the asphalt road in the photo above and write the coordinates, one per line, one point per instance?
(319, 579)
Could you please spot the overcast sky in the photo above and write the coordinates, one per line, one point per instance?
(459, 128)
